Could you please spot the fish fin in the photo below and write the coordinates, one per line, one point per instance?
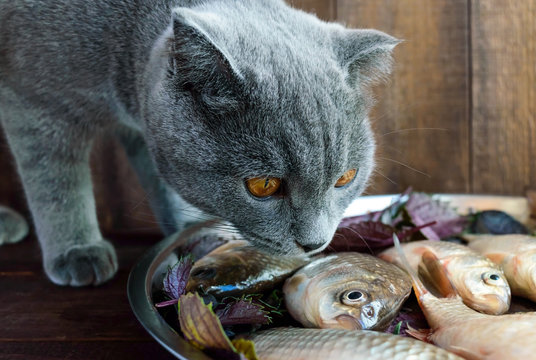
(418, 286)
(386, 257)
(421, 334)
(438, 274)
(465, 353)
(497, 258)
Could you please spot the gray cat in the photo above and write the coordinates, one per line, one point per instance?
(252, 111)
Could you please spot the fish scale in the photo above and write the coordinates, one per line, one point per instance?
(325, 344)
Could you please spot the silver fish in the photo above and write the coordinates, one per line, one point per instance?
(237, 268)
(346, 291)
(481, 284)
(466, 332)
(326, 344)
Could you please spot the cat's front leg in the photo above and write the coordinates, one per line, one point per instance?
(13, 227)
(54, 167)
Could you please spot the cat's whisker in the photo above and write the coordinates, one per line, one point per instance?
(407, 166)
(386, 177)
(392, 112)
(344, 238)
(399, 131)
(384, 146)
(360, 236)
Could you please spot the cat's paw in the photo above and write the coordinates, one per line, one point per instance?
(13, 227)
(81, 265)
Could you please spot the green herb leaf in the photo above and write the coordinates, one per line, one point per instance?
(396, 331)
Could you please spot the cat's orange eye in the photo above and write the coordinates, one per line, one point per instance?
(263, 186)
(346, 178)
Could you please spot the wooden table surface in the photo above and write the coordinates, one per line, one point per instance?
(40, 320)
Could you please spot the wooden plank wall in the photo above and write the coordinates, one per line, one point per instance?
(458, 115)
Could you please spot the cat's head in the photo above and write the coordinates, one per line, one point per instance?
(257, 113)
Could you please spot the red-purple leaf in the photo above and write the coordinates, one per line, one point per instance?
(423, 209)
(368, 236)
(177, 277)
(242, 312)
(362, 236)
(410, 315)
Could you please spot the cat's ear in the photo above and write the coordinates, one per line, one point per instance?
(199, 65)
(366, 55)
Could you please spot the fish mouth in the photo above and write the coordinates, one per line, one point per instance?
(492, 304)
(348, 322)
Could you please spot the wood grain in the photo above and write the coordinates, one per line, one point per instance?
(121, 201)
(98, 350)
(421, 119)
(43, 321)
(324, 9)
(504, 95)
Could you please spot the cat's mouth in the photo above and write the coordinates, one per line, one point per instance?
(275, 247)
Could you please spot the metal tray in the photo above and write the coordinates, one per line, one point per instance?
(152, 265)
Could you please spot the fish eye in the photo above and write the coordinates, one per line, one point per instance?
(204, 273)
(352, 297)
(491, 278)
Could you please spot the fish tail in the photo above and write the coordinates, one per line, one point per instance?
(418, 286)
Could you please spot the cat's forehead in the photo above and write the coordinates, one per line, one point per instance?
(284, 142)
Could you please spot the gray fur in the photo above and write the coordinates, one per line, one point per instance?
(211, 92)
(13, 227)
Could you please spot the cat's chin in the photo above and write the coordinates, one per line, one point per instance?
(275, 248)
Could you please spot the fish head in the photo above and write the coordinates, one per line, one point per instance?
(366, 303)
(484, 289)
(219, 272)
(338, 291)
(328, 300)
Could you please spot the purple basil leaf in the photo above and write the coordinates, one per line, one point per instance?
(423, 209)
(368, 236)
(166, 303)
(357, 219)
(362, 236)
(410, 316)
(242, 312)
(177, 277)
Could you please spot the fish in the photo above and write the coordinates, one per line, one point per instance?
(346, 291)
(480, 282)
(515, 254)
(237, 268)
(468, 333)
(321, 344)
